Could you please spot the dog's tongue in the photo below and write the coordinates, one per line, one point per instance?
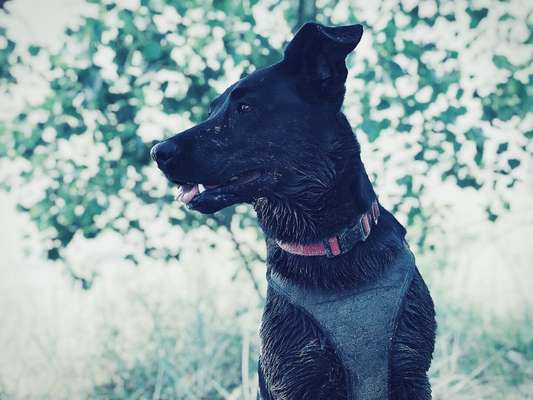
(186, 193)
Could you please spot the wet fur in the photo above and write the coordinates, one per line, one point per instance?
(297, 361)
(313, 184)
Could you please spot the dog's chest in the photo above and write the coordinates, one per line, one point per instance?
(332, 341)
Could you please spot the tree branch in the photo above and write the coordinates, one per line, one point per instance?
(245, 261)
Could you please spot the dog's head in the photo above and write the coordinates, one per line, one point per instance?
(270, 131)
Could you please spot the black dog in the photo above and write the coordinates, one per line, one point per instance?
(347, 314)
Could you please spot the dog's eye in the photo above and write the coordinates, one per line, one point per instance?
(244, 108)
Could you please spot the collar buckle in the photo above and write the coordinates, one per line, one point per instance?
(364, 227)
(333, 247)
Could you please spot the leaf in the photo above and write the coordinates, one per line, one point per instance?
(373, 128)
(513, 163)
(476, 16)
(383, 104)
(506, 17)
(450, 17)
(404, 127)
(476, 135)
(468, 181)
(502, 147)
(491, 215)
(502, 62)
(451, 114)
(478, 158)
(395, 70)
(34, 50)
(152, 51)
(53, 254)
(125, 113)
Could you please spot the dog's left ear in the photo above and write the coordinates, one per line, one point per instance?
(317, 55)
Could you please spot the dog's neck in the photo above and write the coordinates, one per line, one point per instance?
(315, 217)
(314, 212)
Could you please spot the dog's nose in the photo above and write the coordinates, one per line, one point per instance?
(163, 151)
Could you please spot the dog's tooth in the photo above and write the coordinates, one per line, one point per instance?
(179, 193)
(201, 188)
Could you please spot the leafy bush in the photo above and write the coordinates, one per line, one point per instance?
(132, 73)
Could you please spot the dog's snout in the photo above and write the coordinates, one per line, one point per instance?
(163, 152)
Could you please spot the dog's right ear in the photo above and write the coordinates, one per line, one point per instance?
(317, 55)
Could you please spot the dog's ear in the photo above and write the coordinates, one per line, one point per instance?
(317, 55)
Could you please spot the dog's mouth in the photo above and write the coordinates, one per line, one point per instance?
(209, 197)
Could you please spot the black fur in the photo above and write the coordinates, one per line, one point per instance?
(281, 134)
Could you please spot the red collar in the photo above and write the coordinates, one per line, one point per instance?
(342, 242)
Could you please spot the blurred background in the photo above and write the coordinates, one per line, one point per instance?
(110, 290)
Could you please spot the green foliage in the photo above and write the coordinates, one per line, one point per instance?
(441, 134)
(476, 16)
(202, 362)
(7, 47)
(479, 362)
(88, 139)
(104, 109)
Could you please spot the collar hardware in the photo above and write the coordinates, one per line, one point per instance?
(342, 242)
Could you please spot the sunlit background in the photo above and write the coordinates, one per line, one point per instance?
(110, 290)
